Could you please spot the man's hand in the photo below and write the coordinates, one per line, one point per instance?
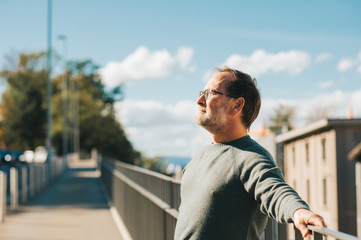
(302, 217)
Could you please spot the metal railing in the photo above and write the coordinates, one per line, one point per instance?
(18, 183)
(162, 186)
(319, 232)
(148, 203)
(146, 215)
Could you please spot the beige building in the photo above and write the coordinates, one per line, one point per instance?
(316, 164)
(355, 155)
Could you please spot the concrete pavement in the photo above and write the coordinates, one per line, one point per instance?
(71, 208)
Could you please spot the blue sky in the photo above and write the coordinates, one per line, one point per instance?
(305, 54)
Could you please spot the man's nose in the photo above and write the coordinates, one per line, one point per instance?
(201, 100)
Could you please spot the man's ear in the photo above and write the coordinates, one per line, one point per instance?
(238, 105)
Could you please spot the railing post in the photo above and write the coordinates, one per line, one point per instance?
(2, 196)
(38, 178)
(41, 175)
(282, 232)
(317, 236)
(24, 187)
(46, 174)
(274, 230)
(298, 235)
(31, 181)
(268, 233)
(14, 189)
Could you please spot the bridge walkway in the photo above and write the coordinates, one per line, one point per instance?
(72, 207)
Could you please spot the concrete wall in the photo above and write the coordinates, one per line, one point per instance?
(316, 165)
(308, 168)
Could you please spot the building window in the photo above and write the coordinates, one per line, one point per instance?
(308, 191)
(307, 153)
(324, 192)
(323, 148)
(294, 155)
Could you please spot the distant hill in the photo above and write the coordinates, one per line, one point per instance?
(182, 161)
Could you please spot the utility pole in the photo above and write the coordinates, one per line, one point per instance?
(65, 100)
(75, 118)
(48, 142)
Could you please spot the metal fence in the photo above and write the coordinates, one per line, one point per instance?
(319, 233)
(20, 182)
(146, 215)
(162, 186)
(148, 203)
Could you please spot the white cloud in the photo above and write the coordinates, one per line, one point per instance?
(144, 65)
(345, 64)
(261, 62)
(326, 84)
(157, 128)
(336, 103)
(323, 57)
(184, 56)
(348, 63)
(150, 112)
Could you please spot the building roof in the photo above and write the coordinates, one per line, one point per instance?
(355, 154)
(316, 127)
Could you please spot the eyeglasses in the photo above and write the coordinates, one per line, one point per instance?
(207, 93)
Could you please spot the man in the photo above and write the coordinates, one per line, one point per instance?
(230, 187)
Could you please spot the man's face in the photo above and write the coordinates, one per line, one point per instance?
(212, 112)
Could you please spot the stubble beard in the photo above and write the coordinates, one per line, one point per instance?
(213, 123)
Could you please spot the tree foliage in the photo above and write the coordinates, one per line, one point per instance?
(23, 104)
(318, 113)
(282, 119)
(23, 109)
(154, 163)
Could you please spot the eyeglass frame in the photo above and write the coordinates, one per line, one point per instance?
(207, 93)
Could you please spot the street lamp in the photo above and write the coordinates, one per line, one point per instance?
(48, 142)
(64, 100)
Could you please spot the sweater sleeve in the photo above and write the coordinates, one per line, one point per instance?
(263, 180)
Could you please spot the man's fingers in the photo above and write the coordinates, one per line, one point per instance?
(317, 221)
(303, 229)
(303, 217)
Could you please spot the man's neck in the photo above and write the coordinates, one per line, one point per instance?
(229, 135)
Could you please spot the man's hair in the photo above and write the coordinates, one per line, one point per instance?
(242, 85)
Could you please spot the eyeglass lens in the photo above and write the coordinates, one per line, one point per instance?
(205, 93)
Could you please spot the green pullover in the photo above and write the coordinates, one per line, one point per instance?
(229, 189)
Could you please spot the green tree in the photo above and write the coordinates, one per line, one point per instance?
(282, 118)
(318, 113)
(22, 107)
(155, 163)
(98, 127)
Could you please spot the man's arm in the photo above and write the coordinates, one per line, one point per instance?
(302, 217)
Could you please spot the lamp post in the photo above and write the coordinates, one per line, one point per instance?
(74, 105)
(64, 94)
(48, 141)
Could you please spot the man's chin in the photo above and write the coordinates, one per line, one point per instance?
(199, 120)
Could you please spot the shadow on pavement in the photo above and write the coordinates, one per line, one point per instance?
(76, 187)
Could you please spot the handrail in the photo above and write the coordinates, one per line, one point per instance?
(143, 170)
(145, 215)
(332, 233)
(160, 200)
(164, 187)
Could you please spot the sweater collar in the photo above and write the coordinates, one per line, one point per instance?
(238, 142)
